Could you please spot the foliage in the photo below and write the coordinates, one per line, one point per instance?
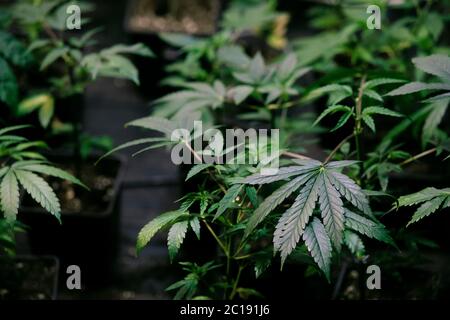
(431, 199)
(22, 166)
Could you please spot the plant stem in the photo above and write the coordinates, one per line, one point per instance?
(196, 155)
(295, 155)
(331, 155)
(358, 128)
(222, 246)
(233, 293)
(418, 156)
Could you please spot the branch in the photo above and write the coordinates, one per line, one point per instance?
(418, 156)
(331, 155)
(295, 155)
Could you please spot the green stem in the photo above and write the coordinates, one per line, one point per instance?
(233, 293)
(222, 246)
(358, 126)
(418, 156)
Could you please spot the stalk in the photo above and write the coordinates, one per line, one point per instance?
(358, 127)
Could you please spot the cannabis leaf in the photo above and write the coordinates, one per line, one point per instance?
(176, 236)
(151, 228)
(437, 65)
(23, 167)
(111, 62)
(194, 97)
(315, 182)
(431, 199)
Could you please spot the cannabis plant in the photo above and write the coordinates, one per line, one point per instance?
(23, 167)
(44, 23)
(431, 199)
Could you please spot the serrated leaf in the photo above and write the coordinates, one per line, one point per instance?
(154, 123)
(319, 245)
(9, 196)
(292, 223)
(373, 95)
(332, 210)
(382, 111)
(418, 86)
(342, 120)
(354, 244)
(52, 171)
(196, 169)
(151, 228)
(272, 201)
(195, 225)
(377, 82)
(40, 191)
(282, 174)
(426, 209)
(437, 64)
(331, 110)
(350, 191)
(228, 199)
(368, 120)
(418, 197)
(175, 238)
(434, 119)
(367, 227)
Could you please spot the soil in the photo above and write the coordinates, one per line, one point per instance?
(28, 278)
(77, 200)
(184, 16)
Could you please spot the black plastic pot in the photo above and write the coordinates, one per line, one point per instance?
(89, 238)
(28, 278)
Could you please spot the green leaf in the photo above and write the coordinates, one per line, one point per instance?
(378, 82)
(382, 111)
(40, 191)
(342, 120)
(438, 65)
(52, 171)
(154, 123)
(196, 169)
(418, 197)
(354, 244)
(434, 119)
(368, 120)
(373, 95)
(367, 227)
(292, 223)
(52, 56)
(331, 110)
(332, 210)
(228, 199)
(282, 174)
(137, 49)
(319, 245)
(350, 191)
(151, 228)
(9, 195)
(240, 93)
(272, 201)
(175, 238)
(426, 209)
(195, 225)
(418, 86)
